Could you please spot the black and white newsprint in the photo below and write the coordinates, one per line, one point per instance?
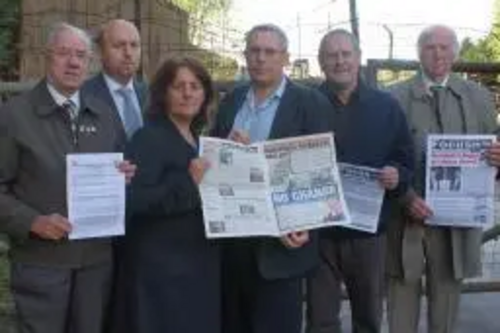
(460, 184)
(364, 196)
(271, 188)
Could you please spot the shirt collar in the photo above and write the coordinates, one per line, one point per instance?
(276, 94)
(428, 82)
(60, 99)
(114, 85)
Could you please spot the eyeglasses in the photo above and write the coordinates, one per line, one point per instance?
(68, 53)
(266, 51)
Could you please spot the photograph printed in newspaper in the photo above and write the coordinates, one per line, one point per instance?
(271, 188)
(364, 196)
(460, 184)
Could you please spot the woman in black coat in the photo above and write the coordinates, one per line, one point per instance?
(172, 269)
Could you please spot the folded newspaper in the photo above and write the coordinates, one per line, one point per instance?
(364, 196)
(271, 188)
(460, 184)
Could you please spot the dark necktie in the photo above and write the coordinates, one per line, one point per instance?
(437, 101)
(70, 107)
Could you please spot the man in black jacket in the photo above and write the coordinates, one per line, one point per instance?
(370, 130)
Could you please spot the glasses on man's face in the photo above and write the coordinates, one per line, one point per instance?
(65, 53)
(265, 51)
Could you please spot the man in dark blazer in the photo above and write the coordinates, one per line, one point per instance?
(58, 285)
(119, 46)
(262, 277)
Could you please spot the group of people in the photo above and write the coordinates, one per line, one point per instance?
(164, 276)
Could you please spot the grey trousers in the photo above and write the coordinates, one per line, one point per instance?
(60, 300)
(359, 263)
(434, 261)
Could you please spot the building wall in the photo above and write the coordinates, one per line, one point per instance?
(164, 28)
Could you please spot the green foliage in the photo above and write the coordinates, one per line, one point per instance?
(9, 25)
(486, 49)
(202, 12)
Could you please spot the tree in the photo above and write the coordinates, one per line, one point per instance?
(479, 51)
(486, 49)
(202, 12)
(9, 32)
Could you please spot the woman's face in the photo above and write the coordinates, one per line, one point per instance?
(185, 95)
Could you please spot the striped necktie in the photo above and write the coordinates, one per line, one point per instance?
(71, 108)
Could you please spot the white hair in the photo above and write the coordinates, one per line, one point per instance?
(60, 27)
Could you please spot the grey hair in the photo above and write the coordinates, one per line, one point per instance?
(343, 32)
(60, 27)
(268, 27)
(430, 30)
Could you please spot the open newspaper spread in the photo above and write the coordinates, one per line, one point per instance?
(460, 184)
(271, 188)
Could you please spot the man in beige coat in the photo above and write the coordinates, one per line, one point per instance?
(443, 255)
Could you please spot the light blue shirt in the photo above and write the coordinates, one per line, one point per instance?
(114, 88)
(257, 120)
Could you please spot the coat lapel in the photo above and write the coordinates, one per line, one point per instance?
(284, 113)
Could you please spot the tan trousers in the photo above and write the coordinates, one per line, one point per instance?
(434, 260)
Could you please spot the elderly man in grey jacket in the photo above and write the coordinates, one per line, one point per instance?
(444, 255)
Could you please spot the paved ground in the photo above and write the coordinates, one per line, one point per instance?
(479, 313)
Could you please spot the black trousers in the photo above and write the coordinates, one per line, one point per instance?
(253, 304)
(61, 300)
(360, 265)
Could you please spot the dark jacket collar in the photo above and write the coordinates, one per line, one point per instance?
(358, 94)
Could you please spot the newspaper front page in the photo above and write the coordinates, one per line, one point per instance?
(460, 184)
(364, 195)
(271, 188)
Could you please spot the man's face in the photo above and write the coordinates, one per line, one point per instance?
(340, 61)
(265, 58)
(437, 54)
(67, 62)
(121, 51)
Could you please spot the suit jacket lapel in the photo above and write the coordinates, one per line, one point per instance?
(140, 90)
(284, 113)
(102, 92)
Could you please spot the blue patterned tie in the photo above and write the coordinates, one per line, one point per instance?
(131, 117)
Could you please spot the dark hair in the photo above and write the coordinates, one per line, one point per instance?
(165, 77)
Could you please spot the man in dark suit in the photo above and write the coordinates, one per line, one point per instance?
(262, 276)
(58, 285)
(119, 46)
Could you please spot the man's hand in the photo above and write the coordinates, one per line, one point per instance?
(239, 136)
(295, 240)
(51, 227)
(128, 169)
(493, 154)
(197, 169)
(419, 209)
(389, 177)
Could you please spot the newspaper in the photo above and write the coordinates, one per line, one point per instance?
(271, 188)
(364, 196)
(459, 183)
